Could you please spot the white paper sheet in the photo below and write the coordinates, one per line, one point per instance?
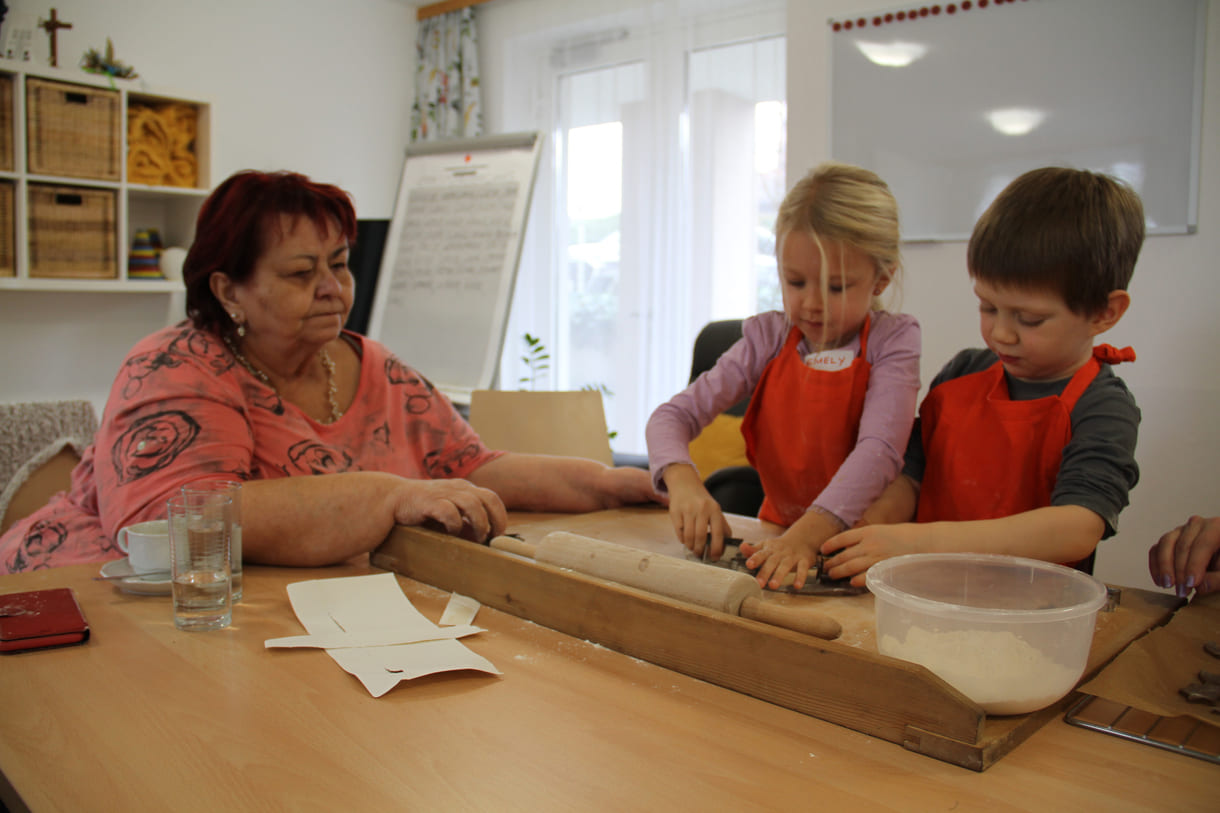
(387, 637)
(374, 605)
(460, 611)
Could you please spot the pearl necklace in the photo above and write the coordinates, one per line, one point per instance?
(332, 389)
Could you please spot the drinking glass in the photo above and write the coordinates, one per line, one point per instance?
(233, 489)
(200, 527)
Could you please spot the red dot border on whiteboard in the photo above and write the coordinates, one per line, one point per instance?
(917, 13)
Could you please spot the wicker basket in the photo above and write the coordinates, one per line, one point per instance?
(74, 130)
(6, 122)
(72, 232)
(8, 238)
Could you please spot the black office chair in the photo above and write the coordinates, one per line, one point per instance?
(736, 488)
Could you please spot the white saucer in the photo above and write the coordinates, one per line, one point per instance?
(141, 585)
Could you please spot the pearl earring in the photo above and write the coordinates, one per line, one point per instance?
(241, 329)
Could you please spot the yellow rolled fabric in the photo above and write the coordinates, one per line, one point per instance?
(161, 145)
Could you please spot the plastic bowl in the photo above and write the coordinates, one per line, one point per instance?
(1011, 634)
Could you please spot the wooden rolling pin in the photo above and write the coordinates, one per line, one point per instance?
(729, 591)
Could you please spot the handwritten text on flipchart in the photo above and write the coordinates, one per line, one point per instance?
(454, 239)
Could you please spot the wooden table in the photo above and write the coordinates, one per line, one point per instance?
(145, 717)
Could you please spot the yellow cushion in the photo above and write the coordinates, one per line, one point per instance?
(719, 445)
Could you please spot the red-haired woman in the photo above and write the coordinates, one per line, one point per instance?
(263, 384)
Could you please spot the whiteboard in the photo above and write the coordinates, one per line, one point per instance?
(450, 262)
(1119, 84)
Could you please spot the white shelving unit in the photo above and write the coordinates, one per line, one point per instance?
(168, 209)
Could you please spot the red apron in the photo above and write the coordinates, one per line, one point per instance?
(801, 425)
(989, 456)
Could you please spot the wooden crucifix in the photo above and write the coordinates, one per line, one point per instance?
(52, 27)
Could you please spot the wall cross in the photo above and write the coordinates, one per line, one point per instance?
(52, 27)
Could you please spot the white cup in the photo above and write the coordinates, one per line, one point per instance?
(171, 262)
(146, 545)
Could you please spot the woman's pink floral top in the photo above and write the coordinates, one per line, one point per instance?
(182, 409)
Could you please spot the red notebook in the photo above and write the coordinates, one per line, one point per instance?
(40, 619)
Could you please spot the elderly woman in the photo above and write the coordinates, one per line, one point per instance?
(264, 384)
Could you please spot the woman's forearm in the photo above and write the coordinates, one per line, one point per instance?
(528, 482)
(324, 519)
(319, 520)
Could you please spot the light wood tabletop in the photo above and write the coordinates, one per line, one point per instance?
(146, 717)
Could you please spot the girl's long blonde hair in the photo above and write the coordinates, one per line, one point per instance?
(845, 204)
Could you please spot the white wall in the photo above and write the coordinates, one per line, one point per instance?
(322, 87)
(1172, 323)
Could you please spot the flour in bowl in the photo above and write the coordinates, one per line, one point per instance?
(996, 669)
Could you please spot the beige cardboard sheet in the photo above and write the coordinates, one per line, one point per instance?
(374, 608)
(1150, 672)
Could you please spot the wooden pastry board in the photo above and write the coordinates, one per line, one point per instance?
(844, 681)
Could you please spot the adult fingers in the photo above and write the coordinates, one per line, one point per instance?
(1188, 566)
(498, 512)
(454, 504)
(490, 510)
(444, 512)
(1204, 545)
(1159, 577)
(1160, 558)
(1210, 583)
(478, 509)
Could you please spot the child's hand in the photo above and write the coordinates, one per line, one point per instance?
(793, 551)
(857, 550)
(1188, 557)
(697, 518)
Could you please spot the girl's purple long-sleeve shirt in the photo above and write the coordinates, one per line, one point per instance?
(885, 426)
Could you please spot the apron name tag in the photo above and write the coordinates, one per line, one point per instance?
(831, 360)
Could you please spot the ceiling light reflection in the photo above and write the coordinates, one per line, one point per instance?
(1015, 121)
(892, 54)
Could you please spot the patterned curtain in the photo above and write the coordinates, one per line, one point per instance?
(447, 98)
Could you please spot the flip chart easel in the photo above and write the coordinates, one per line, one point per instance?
(450, 261)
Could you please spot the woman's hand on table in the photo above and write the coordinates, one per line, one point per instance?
(463, 509)
(1188, 557)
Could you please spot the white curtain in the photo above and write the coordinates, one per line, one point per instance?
(448, 101)
(653, 211)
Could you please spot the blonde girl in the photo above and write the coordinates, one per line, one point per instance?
(833, 381)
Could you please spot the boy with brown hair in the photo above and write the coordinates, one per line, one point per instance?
(1027, 447)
